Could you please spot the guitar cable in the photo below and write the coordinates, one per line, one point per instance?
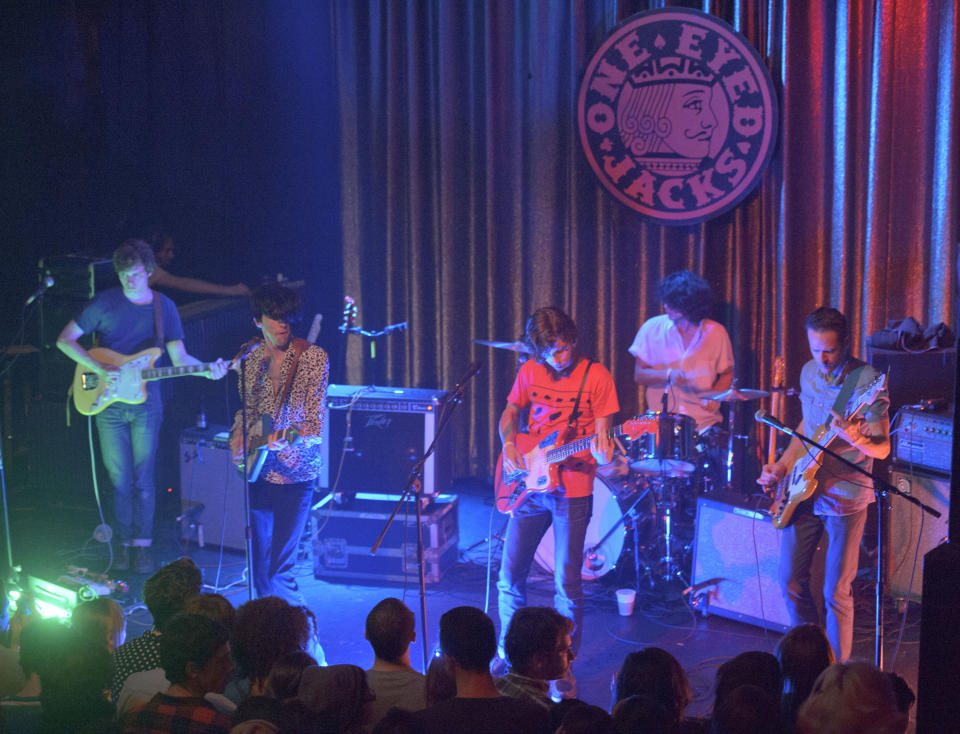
(104, 536)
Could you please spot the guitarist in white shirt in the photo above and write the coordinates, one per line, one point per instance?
(839, 501)
(548, 385)
(126, 321)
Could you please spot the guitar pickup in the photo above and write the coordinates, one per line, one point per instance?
(89, 380)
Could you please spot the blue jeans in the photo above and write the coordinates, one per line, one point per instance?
(278, 515)
(129, 435)
(797, 547)
(524, 532)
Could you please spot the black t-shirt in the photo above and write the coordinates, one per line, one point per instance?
(484, 716)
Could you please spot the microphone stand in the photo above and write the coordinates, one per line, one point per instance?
(414, 486)
(881, 488)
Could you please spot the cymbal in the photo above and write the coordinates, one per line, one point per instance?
(663, 467)
(735, 395)
(512, 346)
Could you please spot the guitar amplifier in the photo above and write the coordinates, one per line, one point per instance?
(924, 439)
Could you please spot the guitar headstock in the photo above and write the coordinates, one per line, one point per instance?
(865, 395)
(779, 371)
(637, 426)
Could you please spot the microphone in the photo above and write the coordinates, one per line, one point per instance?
(192, 513)
(47, 283)
(764, 417)
(245, 350)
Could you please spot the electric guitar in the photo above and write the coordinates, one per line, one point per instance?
(543, 459)
(260, 436)
(92, 394)
(800, 481)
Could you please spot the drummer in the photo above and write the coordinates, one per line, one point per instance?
(682, 355)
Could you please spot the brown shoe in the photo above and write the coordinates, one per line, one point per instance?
(144, 559)
(121, 559)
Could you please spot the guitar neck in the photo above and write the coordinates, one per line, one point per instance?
(559, 453)
(160, 373)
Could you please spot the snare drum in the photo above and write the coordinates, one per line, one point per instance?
(613, 492)
(669, 452)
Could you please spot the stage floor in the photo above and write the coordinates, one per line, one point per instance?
(47, 539)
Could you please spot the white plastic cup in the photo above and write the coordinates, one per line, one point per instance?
(625, 601)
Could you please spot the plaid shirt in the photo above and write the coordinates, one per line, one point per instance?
(526, 689)
(176, 715)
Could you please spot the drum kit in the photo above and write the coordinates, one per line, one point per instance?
(644, 502)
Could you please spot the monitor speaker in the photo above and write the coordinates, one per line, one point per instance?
(211, 490)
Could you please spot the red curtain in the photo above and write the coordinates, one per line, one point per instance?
(467, 202)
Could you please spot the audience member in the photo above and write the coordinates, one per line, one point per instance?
(654, 672)
(283, 680)
(440, 684)
(644, 713)
(39, 645)
(903, 693)
(74, 683)
(212, 606)
(747, 709)
(851, 697)
(469, 642)
(390, 630)
(397, 721)
(11, 676)
(337, 696)
(582, 718)
(100, 619)
(164, 593)
(804, 652)
(265, 630)
(268, 715)
(537, 646)
(749, 668)
(195, 655)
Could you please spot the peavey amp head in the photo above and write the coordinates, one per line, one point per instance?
(924, 439)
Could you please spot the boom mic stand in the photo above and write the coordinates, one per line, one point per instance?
(881, 489)
(415, 487)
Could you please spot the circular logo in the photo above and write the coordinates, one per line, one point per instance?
(677, 115)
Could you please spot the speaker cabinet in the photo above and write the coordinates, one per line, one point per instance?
(211, 490)
(373, 436)
(736, 564)
(904, 529)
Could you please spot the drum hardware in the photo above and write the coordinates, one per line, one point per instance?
(595, 561)
(670, 451)
(736, 397)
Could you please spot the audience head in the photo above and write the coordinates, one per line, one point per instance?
(643, 713)
(397, 721)
(440, 684)
(195, 654)
(804, 653)
(168, 589)
(283, 681)
(656, 672)
(75, 682)
(285, 717)
(40, 645)
(100, 619)
(902, 692)
(850, 697)
(749, 668)
(337, 695)
(468, 638)
(264, 631)
(212, 606)
(578, 717)
(538, 643)
(747, 709)
(390, 629)
(687, 294)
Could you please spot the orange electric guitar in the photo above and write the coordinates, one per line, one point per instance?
(800, 481)
(544, 457)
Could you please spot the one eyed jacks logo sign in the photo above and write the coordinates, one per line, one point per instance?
(677, 115)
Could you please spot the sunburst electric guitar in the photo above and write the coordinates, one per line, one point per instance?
(800, 481)
(543, 459)
(93, 394)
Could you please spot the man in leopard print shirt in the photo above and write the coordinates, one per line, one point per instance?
(280, 498)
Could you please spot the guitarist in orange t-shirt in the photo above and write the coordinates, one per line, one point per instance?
(568, 394)
(844, 401)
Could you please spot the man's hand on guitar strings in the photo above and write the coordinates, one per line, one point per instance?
(770, 476)
(849, 431)
(513, 460)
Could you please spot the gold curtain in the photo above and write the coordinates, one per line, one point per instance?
(467, 202)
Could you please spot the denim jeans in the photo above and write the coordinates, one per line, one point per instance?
(278, 515)
(524, 531)
(129, 435)
(798, 545)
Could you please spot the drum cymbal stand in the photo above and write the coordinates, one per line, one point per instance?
(593, 559)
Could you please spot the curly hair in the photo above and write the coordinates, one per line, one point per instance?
(532, 631)
(276, 302)
(134, 252)
(189, 638)
(687, 293)
(264, 631)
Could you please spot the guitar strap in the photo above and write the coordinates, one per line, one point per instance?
(575, 413)
(158, 320)
(846, 390)
(299, 346)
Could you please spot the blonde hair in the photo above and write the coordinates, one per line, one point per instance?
(101, 621)
(851, 697)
